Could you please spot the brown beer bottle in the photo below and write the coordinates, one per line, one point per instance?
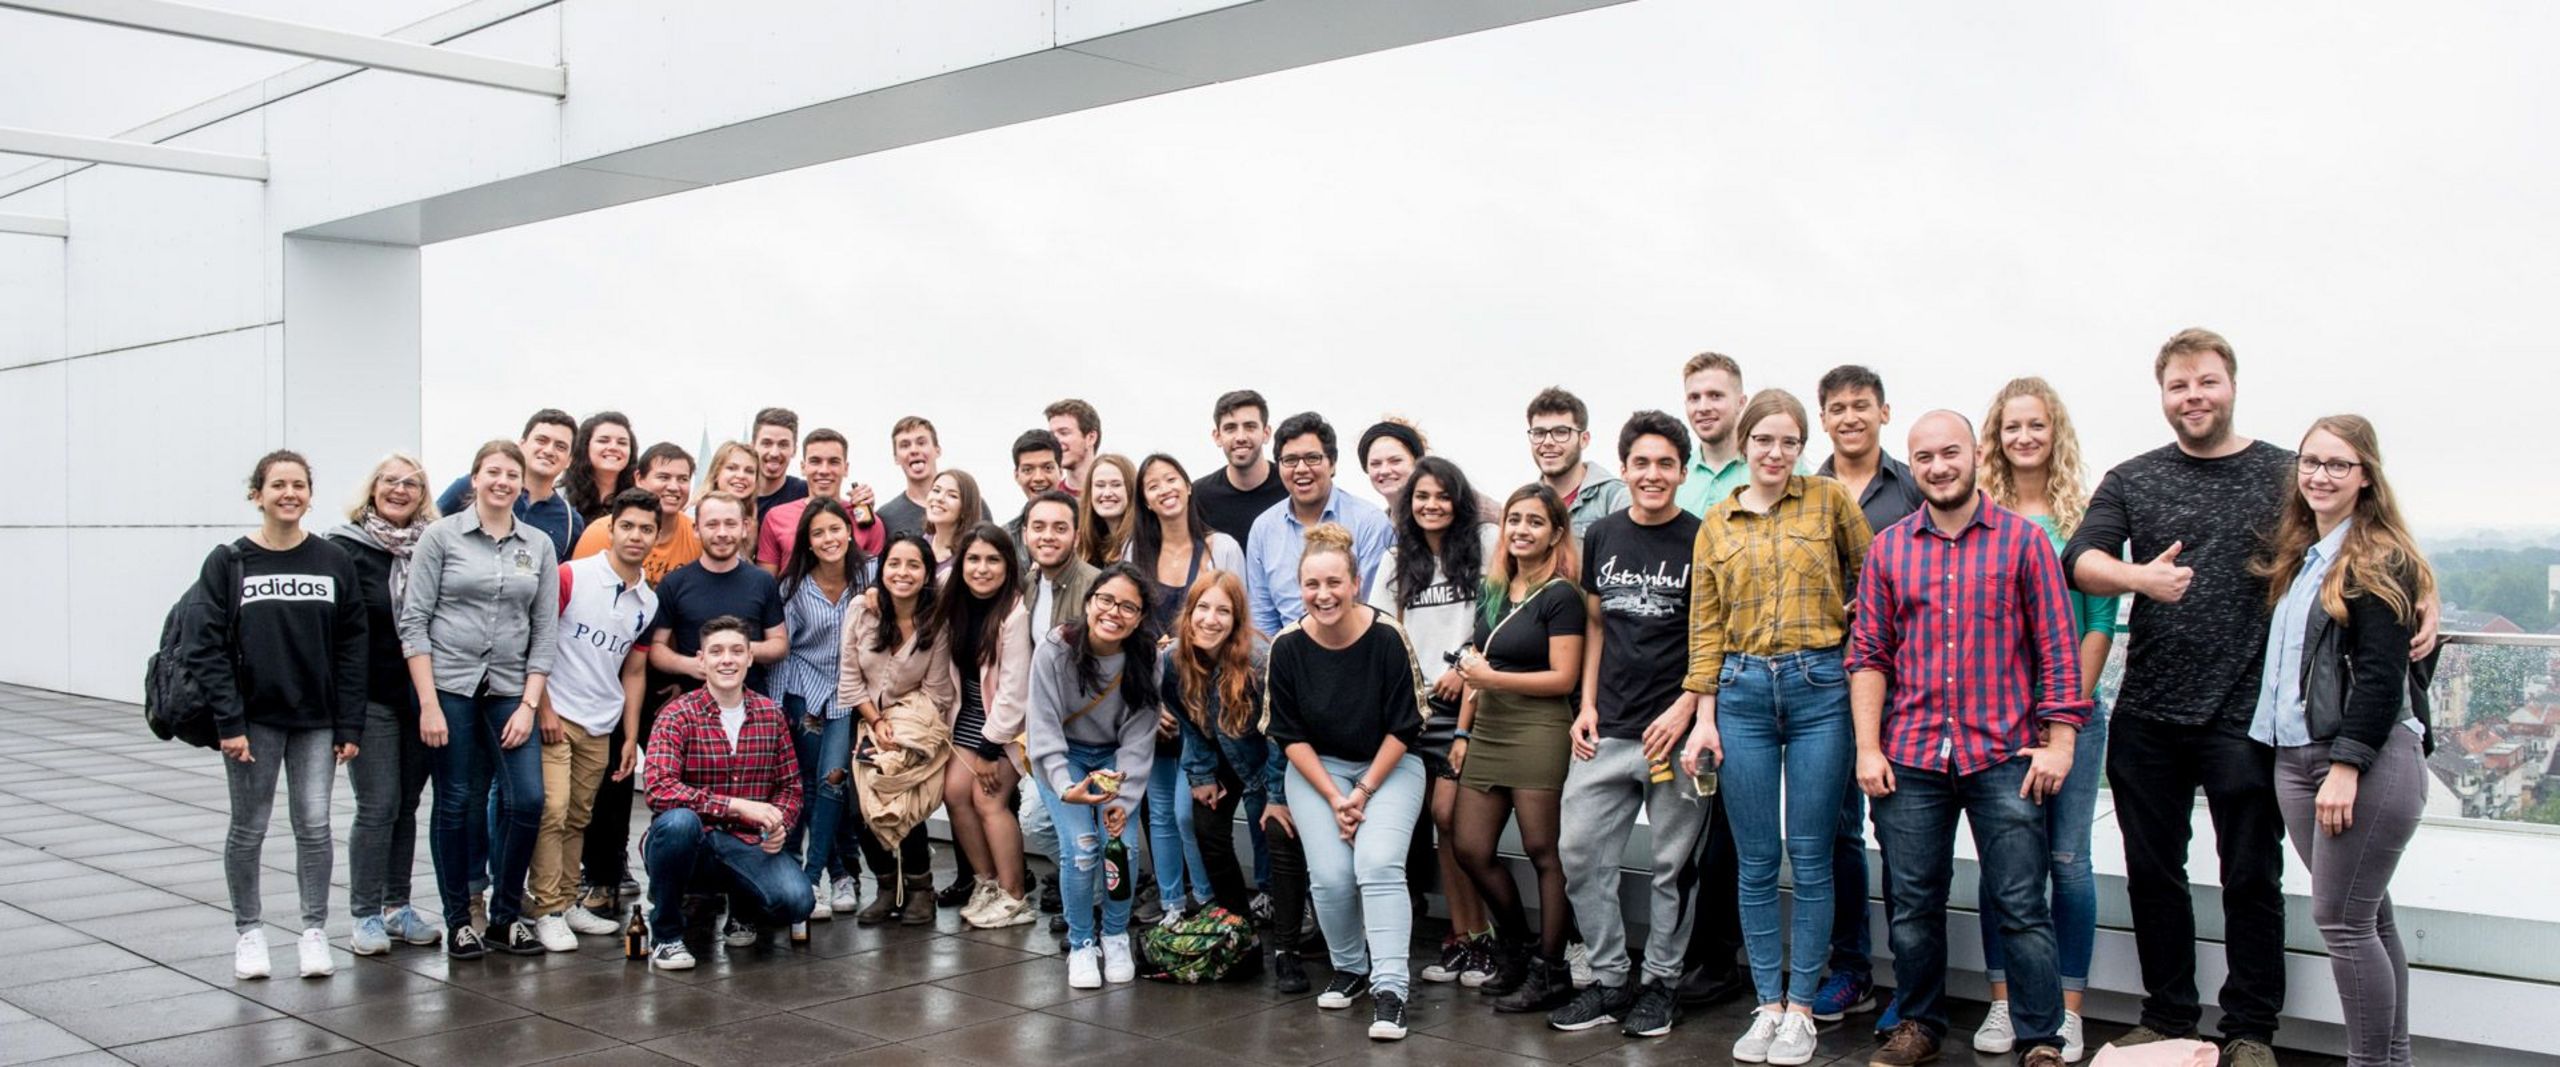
(635, 936)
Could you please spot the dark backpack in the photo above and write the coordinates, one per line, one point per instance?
(1214, 945)
(176, 703)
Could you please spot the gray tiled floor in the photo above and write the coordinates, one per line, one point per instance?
(114, 909)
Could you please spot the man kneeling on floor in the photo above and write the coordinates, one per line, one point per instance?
(725, 785)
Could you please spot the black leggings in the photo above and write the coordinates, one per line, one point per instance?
(1214, 826)
(1478, 828)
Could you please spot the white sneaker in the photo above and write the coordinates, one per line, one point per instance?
(249, 957)
(589, 923)
(1996, 1034)
(1118, 967)
(314, 951)
(820, 909)
(1753, 1045)
(1795, 1041)
(2074, 1045)
(848, 894)
(1577, 961)
(1005, 910)
(672, 956)
(554, 933)
(982, 896)
(1084, 968)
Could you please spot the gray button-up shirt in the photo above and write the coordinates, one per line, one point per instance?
(482, 608)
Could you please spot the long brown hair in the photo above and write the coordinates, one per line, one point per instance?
(2066, 481)
(1231, 664)
(1563, 561)
(1098, 538)
(2379, 557)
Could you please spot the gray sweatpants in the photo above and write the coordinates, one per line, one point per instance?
(1601, 795)
(305, 760)
(2351, 885)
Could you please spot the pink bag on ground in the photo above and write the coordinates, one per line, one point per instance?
(2176, 1053)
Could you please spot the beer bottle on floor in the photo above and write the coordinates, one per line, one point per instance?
(635, 936)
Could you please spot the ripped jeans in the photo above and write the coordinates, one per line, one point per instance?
(1080, 847)
(2067, 817)
(825, 748)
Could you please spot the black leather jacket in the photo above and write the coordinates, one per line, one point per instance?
(2358, 681)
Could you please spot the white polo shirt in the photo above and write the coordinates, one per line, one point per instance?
(601, 621)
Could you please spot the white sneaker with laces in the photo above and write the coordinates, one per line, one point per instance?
(314, 953)
(554, 933)
(1795, 1041)
(1753, 1045)
(982, 896)
(586, 922)
(1118, 967)
(1996, 1034)
(848, 894)
(671, 956)
(1084, 968)
(820, 908)
(249, 957)
(2074, 1044)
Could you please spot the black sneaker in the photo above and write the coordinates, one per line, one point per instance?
(1342, 990)
(1387, 1022)
(1050, 900)
(738, 934)
(1510, 969)
(463, 943)
(1656, 1008)
(1703, 988)
(1288, 973)
(1549, 986)
(956, 894)
(1596, 1005)
(518, 939)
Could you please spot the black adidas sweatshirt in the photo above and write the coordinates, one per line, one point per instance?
(292, 654)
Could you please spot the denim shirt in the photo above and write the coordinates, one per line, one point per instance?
(2279, 720)
(1253, 758)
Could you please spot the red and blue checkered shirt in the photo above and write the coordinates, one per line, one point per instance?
(692, 765)
(1973, 634)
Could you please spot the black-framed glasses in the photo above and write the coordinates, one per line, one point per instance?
(1308, 460)
(2335, 468)
(1559, 434)
(1117, 606)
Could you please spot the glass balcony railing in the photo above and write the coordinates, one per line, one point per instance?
(2496, 717)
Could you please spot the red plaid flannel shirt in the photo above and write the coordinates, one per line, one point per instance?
(690, 763)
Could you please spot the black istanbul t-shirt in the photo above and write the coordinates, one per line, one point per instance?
(1641, 575)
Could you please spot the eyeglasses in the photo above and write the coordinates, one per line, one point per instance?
(394, 481)
(1117, 606)
(2335, 468)
(1307, 460)
(1556, 434)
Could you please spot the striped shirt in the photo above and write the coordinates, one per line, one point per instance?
(692, 762)
(816, 626)
(1974, 635)
(1776, 582)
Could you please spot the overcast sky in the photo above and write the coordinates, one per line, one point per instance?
(2361, 200)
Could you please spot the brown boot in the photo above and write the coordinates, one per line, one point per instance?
(884, 903)
(918, 910)
(1911, 1044)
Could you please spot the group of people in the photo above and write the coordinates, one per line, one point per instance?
(1763, 660)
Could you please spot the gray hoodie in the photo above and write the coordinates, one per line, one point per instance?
(1056, 696)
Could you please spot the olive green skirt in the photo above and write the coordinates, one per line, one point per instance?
(1518, 742)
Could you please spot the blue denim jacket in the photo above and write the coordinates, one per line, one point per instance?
(1253, 758)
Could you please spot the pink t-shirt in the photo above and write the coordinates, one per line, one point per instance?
(779, 533)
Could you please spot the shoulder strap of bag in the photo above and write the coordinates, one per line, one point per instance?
(1515, 612)
(1093, 703)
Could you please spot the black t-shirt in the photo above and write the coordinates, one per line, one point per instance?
(792, 489)
(1641, 575)
(1344, 703)
(900, 515)
(2199, 659)
(1230, 510)
(691, 596)
(1520, 645)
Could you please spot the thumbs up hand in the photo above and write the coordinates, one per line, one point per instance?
(2163, 579)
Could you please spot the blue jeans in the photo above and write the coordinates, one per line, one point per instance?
(471, 754)
(1170, 842)
(1358, 884)
(684, 856)
(1785, 724)
(2067, 817)
(1079, 829)
(825, 748)
(1917, 825)
(1852, 943)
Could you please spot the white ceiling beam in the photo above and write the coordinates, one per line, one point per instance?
(34, 225)
(131, 154)
(308, 41)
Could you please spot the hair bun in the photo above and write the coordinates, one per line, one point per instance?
(1329, 536)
